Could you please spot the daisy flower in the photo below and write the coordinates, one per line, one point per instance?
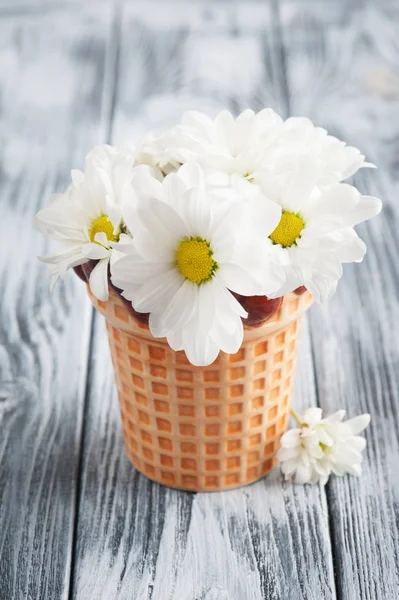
(191, 248)
(254, 143)
(339, 161)
(296, 165)
(319, 447)
(315, 234)
(225, 147)
(87, 218)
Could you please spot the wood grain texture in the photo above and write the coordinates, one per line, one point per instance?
(342, 69)
(50, 86)
(194, 55)
(76, 520)
(136, 539)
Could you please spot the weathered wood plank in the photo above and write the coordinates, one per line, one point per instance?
(136, 539)
(50, 85)
(342, 73)
(197, 55)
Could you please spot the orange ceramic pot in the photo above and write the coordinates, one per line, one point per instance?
(204, 428)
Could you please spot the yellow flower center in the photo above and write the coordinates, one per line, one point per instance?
(194, 260)
(288, 230)
(103, 225)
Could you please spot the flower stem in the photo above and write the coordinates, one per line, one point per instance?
(296, 417)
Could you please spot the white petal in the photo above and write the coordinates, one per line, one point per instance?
(161, 250)
(57, 216)
(284, 454)
(347, 456)
(99, 280)
(312, 416)
(337, 201)
(198, 344)
(336, 417)
(225, 125)
(54, 277)
(65, 253)
(157, 291)
(291, 438)
(265, 215)
(175, 340)
(101, 238)
(355, 470)
(197, 120)
(226, 339)
(317, 228)
(175, 188)
(366, 208)
(115, 216)
(300, 185)
(124, 244)
(178, 312)
(238, 280)
(207, 300)
(77, 177)
(358, 443)
(192, 175)
(347, 245)
(198, 215)
(289, 467)
(234, 307)
(129, 213)
(324, 437)
(303, 473)
(145, 185)
(200, 349)
(95, 251)
(359, 424)
(130, 271)
(161, 220)
(321, 288)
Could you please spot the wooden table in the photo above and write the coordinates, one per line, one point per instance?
(76, 520)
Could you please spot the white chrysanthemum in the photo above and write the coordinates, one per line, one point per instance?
(86, 219)
(338, 160)
(256, 143)
(297, 165)
(315, 234)
(319, 447)
(150, 151)
(191, 248)
(224, 146)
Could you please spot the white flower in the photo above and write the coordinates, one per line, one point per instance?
(255, 143)
(338, 160)
(86, 219)
(315, 234)
(319, 447)
(150, 151)
(224, 146)
(300, 167)
(191, 248)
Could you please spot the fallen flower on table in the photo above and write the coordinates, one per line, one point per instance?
(319, 447)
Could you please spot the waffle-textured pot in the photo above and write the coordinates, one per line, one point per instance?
(204, 428)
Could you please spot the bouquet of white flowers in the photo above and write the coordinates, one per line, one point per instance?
(198, 236)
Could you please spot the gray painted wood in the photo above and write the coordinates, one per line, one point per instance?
(50, 86)
(342, 72)
(136, 539)
(76, 520)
